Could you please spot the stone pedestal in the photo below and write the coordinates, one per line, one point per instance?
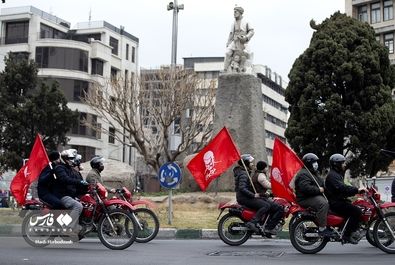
(238, 106)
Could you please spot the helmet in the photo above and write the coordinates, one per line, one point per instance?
(69, 154)
(336, 161)
(247, 158)
(310, 161)
(97, 163)
(71, 157)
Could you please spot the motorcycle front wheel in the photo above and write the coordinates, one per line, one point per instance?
(369, 234)
(232, 230)
(117, 229)
(303, 233)
(384, 233)
(149, 225)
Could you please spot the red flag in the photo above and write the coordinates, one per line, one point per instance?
(284, 167)
(214, 159)
(38, 159)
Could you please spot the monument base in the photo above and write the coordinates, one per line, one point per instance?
(238, 106)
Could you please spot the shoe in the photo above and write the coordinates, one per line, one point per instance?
(325, 233)
(252, 226)
(356, 235)
(271, 232)
(350, 239)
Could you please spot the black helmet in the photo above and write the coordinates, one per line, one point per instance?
(247, 158)
(97, 163)
(309, 159)
(336, 161)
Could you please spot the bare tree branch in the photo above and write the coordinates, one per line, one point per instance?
(151, 110)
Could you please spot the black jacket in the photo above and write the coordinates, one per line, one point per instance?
(243, 186)
(336, 190)
(306, 185)
(393, 190)
(67, 183)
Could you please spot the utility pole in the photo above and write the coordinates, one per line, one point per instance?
(175, 7)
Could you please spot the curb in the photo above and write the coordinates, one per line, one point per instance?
(164, 233)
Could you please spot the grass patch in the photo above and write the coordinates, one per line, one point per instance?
(9, 216)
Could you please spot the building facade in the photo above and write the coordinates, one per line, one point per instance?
(379, 15)
(77, 58)
(274, 106)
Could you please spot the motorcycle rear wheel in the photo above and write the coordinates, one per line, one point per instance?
(382, 234)
(34, 238)
(150, 225)
(300, 241)
(118, 230)
(232, 230)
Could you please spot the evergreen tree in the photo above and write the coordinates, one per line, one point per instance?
(340, 96)
(28, 107)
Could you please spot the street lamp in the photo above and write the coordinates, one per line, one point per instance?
(175, 7)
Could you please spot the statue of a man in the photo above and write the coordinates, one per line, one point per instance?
(240, 34)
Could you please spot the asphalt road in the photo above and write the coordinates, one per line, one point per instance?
(14, 250)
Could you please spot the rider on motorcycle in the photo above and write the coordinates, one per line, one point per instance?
(309, 190)
(69, 184)
(46, 180)
(338, 192)
(246, 195)
(94, 176)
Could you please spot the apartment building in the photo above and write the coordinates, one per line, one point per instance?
(380, 15)
(89, 53)
(274, 106)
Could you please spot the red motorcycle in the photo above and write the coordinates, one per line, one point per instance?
(148, 222)
(303, 230)
(232, 229)
(113, 219)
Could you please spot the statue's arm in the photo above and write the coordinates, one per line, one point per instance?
(250, 31)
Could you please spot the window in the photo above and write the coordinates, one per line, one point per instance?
(126, 78)
(82, 128)
(177, 129)
(80, 90)
(114, 74)
(16, 32)
(97, 67)
(111, 135)
(127, 51)
(62, 58)
(363, 13)
(389, 42)
(47, 32)
(114, 45)
(133, 54)
(388, 10)
(375, 13)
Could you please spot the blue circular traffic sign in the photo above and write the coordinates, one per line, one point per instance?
(169, 175)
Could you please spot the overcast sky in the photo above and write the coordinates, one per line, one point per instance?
(282, 30)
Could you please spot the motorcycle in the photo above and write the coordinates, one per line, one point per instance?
(113, 219)
(148, 222)
(303, 230)
(232, 226)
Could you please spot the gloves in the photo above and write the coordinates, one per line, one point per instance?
(83, 182)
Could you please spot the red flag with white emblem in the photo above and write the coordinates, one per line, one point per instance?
(38, 159)
(214, 159)
(285, 165)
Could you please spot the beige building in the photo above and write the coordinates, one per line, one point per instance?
(76, 57)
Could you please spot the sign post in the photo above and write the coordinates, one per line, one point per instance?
(169, 177)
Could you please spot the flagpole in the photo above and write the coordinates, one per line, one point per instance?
(311, 175)
(248, 174)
